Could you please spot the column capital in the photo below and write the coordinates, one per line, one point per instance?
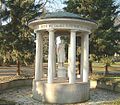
(73, 30)
(51, 30)
(37, 31)
(85, 33)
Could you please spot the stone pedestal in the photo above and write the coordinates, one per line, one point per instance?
(61, 93)
(61, 72)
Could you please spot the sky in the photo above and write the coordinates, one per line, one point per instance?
(57, 5)
(117, 1)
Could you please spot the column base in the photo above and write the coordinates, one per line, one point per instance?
(78, 76)
(37, 92)
(61, 72)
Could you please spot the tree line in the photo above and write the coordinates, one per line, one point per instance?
(17, 39)
(105, 40)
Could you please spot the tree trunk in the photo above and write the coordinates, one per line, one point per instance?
(90, 67)
(18, 67)
(106, 69)
(79, 64)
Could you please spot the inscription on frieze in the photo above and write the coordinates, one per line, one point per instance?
(46, 26)
(64, 26)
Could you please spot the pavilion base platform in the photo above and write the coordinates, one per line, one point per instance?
(61, 92)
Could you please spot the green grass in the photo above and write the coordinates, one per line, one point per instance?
(115, 102)
(104, 77)
(112, 77)
(100, 67)
(116, 64)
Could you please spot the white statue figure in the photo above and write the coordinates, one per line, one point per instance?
(61, 72)
(61, 53)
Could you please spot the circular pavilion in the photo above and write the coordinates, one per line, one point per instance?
(55, 89)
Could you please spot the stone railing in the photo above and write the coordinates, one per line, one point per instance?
(108, 84)
(16, 83)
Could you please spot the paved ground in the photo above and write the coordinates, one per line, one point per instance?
(23, 96)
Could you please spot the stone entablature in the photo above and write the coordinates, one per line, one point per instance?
(63, 26)
(70, 24)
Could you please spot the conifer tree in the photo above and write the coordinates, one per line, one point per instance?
(105, 41)
(16, 38)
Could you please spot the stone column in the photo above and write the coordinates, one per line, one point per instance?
(82, 57)
(69, 59)
(51, 55)
(54, 60)
(86, 57)
(39, 56)
(72, 56)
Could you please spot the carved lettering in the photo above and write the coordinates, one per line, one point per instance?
(69, 26)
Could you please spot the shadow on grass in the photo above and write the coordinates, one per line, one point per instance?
(6, 102)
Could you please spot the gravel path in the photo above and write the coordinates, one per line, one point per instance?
(23, 96)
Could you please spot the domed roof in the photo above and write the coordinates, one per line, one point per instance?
(61, 14)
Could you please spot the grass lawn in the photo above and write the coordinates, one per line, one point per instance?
(98, 67)
(115, 102)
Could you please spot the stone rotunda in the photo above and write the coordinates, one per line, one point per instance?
(56, 89)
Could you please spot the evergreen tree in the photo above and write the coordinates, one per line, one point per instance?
(105, 41)
(16, 38)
